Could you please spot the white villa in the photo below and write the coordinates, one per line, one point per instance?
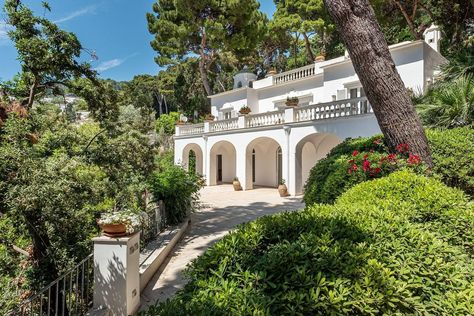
(276, 141)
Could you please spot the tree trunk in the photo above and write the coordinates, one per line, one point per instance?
(385, 90)
(309, 51)
(205, 80)
(409, 20)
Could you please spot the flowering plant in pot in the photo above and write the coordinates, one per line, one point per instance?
(282, 189)
(245, 110)
(209, 117)
(236, 184)
(120, 223)
(293, 101)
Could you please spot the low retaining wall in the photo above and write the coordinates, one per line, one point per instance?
(155, 253)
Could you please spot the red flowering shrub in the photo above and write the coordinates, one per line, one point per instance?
(375, 164)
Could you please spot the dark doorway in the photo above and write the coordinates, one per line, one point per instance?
(253, 166)
(219, 168)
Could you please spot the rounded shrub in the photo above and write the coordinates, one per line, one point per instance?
(452, 151)
(401, 244)
(453, 156)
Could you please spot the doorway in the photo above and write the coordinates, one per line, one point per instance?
(219, 168)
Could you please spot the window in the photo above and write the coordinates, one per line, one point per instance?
(239, 85)
(227, 115)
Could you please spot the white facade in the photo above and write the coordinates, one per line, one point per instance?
(275, 141)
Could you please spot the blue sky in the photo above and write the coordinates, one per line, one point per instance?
(115, 29)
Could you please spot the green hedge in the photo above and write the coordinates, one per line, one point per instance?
(402, 244)
(453, 155)
(452, 151)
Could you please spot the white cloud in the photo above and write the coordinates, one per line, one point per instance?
(75, 14)
(109, 64)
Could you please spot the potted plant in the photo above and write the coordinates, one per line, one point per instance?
(209, 117)
(180, 122)
(119, 224)
(293, 101)
(282, 189)
(236, 184)
(244, 110)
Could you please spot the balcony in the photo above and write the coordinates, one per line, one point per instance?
(295, 74)
(289, 115)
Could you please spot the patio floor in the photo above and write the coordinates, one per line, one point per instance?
(222, 209)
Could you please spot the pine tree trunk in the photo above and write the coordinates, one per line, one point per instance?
(204, 77)
(393, 108)
(309, 51)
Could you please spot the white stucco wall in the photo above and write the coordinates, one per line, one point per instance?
(266, 140)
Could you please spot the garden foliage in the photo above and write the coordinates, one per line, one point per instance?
(452, 151)
(401, 244)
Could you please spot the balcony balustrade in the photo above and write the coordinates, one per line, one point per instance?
(295, 74)
(289, 115)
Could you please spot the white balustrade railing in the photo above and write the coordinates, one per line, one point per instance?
(333, 109)
(265, 119)
(320, 111)
(224, 125)
(294, 74)
(191, 129)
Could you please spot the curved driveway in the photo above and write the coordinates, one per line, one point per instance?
(222, 209)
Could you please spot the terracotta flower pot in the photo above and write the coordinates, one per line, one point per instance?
(114, 230)
(244, 111)
(292, 102)
(283, 190)
(237, 186)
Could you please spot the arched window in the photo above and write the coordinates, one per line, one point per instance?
(279, 165)
(192, 162)
(239, 84)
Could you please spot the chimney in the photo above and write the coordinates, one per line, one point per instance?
(432, 37)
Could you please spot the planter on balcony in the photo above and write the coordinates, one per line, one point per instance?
(245, 110)
(292, 102)
(209, 118)
(180, 123)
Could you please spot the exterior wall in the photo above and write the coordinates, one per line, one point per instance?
(432, 62)
(267, 97)
(233, 100)
(292, 138)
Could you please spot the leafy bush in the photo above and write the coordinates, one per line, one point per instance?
(402, 244)
(166, 122)
(448, 104)
(178, 189)
(452, 151)
(329, 177)
(453, 156)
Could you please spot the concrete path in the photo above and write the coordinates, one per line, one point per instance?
(223, 209)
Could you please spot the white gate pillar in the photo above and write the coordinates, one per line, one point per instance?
(116, 274)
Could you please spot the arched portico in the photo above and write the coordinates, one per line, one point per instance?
(222, 163)
(192, 152)
(264, 163)
(309, 151)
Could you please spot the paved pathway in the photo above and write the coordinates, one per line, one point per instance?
(223, 209)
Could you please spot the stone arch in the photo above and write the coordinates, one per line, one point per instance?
(222, 163)
(309, 151)
(262, 162)
(198, 157)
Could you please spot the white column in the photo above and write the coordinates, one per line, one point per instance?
(116, 274)
(286, 158)
(240, 167)
(206, 127)
(207, 161)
